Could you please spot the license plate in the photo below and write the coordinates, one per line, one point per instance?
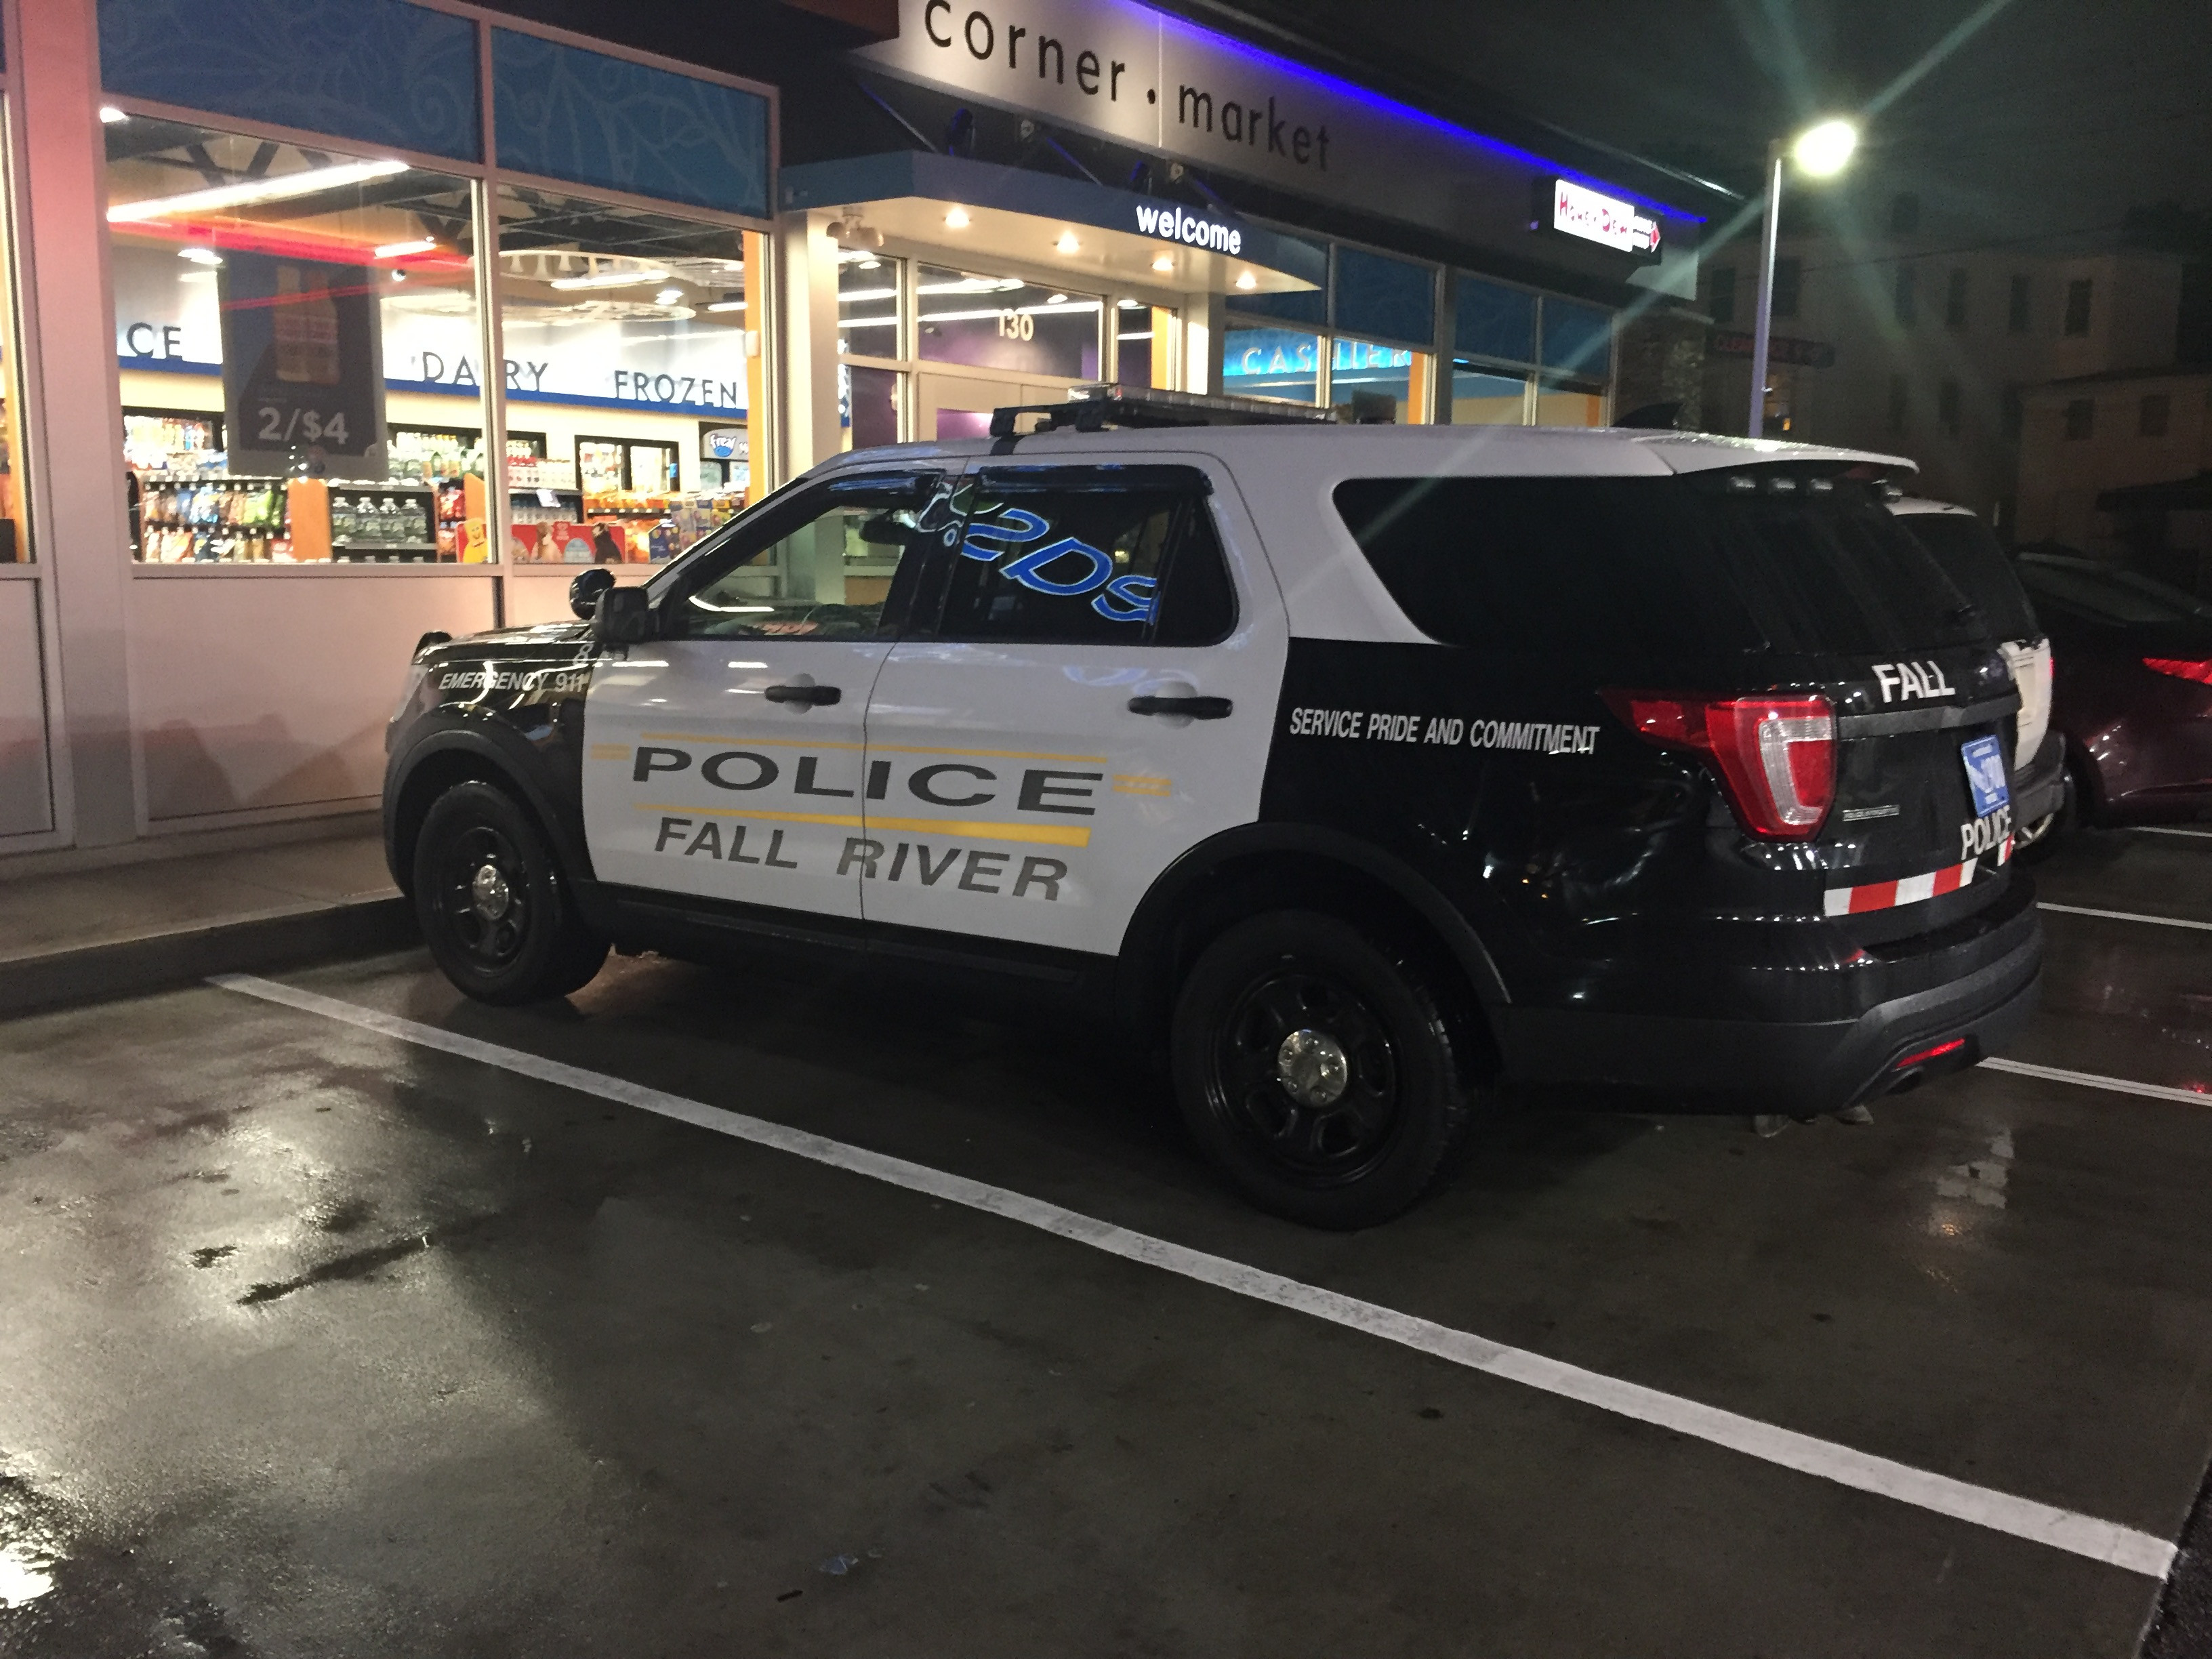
(1986, 775)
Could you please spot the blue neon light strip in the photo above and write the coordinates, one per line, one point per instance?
(1397, 110)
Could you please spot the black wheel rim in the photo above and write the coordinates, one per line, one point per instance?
(484, 896)
(1317, 1142)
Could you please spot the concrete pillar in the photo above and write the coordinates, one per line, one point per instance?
(1205, 322)
(72, 394)
(807, 289)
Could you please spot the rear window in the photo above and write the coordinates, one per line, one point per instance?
(2110, 595)
(1970, 556)
(1643, 569)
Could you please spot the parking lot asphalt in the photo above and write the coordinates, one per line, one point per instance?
(321, 1340)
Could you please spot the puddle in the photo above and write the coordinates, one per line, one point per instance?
(24, 1575)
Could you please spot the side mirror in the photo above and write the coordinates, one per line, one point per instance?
(583, 591)
(622, 617)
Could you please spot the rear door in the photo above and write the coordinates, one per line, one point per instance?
(723, 759)
(1085, 692)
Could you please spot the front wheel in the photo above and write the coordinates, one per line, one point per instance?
(1316, 1070)
(492, 904)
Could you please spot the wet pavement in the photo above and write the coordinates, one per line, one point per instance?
(317, 1342)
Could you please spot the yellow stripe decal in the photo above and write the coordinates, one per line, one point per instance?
(1042, 835)
(610, 751)
(727, 741)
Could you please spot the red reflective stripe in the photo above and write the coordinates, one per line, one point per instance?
(1875, 896)
(1950, 880)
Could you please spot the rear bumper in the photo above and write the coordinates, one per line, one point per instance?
(1801, 1067)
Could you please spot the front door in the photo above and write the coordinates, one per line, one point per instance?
(723, 759)
(1084, 691)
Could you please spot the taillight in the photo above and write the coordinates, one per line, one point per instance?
(2181, 668)
(1775, 756)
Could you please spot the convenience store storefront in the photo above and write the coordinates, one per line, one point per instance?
(405, 310)
(341, 321)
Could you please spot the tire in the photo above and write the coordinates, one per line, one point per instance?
(492, 902)
(1349, 1128)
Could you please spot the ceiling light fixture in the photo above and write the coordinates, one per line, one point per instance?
(200, 256)
(956, 219)
(728, 305)
(668, 297)
(393, 250)
(1056, 300)
(280, 188)
(1067, 244)
(1165, 262)
(1248, 282)
(872, 264)
(110, 115)
(614, 278)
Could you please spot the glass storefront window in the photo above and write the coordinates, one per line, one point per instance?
(871, 399)
(1005, 323)
(868, 304)
(1271, 362)
(1361, 371)
(628, 347)
(1483, 397)
(290, 321)
(1563, 402)
(1144, 337)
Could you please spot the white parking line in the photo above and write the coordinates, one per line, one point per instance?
(2022, 1517)
(2096, 1080)
(2167, 829)
(2121, 915)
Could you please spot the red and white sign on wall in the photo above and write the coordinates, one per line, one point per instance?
(1578, 210)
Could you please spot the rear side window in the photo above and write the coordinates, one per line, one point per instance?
(1970, 556)
(1549, 567)
(1079, 557)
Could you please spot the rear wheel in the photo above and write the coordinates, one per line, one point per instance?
(492, 903)
(1315, 1068)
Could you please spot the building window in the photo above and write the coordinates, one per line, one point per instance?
(1788, 282)
(2081, 419)
(1721, 296)
(1481, 396)
(2077, 306)
(1899, 398)
(1904, 214)
(1954, 302)
(1946, 406)
(2016, 307)
(627, 333)
(1272, 362)
(1904, 302)
(302, 367)
(2156, 410)
(1385, 384)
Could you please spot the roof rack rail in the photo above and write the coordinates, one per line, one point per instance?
(1094, 408)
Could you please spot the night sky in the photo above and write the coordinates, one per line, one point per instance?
(2048, 120)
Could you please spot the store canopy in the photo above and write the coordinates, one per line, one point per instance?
(1041, 219)
(2174, 495)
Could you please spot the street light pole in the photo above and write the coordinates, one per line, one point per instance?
(1763, 323)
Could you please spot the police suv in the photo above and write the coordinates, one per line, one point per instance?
(1362, 772)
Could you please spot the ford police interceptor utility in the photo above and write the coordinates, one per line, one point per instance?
(1361, 772)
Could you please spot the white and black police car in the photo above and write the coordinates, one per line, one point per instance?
(1364, 773)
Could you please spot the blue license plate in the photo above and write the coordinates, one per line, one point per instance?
(1986, 775)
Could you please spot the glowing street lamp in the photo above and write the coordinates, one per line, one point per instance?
(1820, 151)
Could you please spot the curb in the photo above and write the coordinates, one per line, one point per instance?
(183, 956)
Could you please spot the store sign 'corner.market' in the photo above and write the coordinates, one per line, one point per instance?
(1121, 70)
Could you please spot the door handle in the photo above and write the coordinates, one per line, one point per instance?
(815, 695)
(1198, 708)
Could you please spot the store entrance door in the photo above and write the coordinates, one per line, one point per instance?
(955, 406)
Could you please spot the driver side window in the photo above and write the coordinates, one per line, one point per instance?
(836, 563)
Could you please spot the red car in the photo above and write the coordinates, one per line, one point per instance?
(2133, 691)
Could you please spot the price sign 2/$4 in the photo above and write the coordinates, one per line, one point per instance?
(301, 358)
